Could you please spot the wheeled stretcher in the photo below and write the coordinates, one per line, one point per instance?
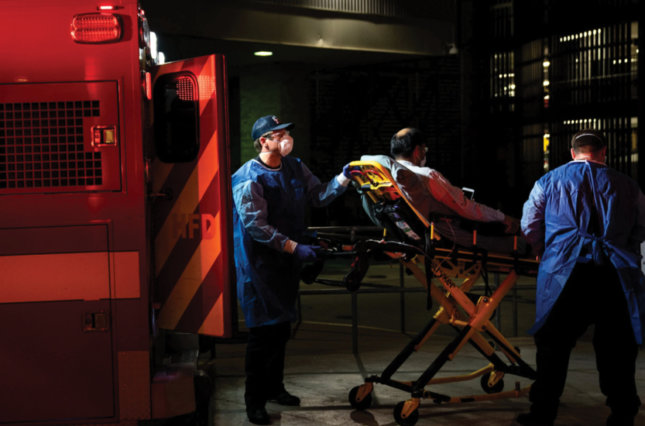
(448, 272)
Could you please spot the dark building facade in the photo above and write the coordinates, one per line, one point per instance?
(552, 68)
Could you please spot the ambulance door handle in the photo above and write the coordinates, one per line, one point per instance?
(164, 195)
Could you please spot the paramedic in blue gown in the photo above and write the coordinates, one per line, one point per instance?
(587, 221)
(270, 193)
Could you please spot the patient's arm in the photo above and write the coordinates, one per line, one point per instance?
(457, 201)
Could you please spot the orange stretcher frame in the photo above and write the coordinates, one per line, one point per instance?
(412, 240)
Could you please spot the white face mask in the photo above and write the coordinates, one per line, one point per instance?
(286, 145)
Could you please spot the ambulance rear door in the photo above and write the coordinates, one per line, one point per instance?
(191, 197)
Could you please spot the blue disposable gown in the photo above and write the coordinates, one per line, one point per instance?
(269, 209)
(557, 217)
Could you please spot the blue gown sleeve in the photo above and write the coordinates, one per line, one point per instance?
(533, 218)
(321, 194)
(251, 206)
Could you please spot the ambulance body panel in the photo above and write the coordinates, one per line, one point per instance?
(81, 295)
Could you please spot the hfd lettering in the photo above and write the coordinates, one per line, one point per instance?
(188, 225)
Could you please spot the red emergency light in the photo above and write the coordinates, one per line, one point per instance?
(147, 85)
(96, 28)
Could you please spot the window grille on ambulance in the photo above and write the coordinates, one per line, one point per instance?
(41, 146)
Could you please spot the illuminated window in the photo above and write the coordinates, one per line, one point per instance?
(592, 64)
(546, 145)
(502, 74)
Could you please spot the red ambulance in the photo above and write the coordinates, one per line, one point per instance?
(114, 214)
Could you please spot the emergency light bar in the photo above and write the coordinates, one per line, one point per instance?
(96, 28)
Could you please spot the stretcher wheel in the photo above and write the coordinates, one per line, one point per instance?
(497, 387)
(359, 405)
(411, 420)
(353, 280)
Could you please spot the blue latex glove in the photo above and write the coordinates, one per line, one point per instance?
(346, 171)
(305, 252)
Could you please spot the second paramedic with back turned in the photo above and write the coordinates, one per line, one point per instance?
(270, 193)
(588, 220)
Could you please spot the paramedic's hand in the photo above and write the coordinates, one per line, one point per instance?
(511, 225)
(305, 252)
(346, 171)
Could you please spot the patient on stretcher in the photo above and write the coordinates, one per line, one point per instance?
(454, 215)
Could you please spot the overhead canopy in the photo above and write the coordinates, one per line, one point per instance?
(379, 26)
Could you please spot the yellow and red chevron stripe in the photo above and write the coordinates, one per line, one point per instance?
(192, 229)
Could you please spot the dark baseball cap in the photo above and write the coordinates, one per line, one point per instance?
(267, 124)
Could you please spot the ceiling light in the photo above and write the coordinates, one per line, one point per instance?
(263, 53)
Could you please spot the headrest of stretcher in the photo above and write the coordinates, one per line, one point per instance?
(374, 180)
(385, 203)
